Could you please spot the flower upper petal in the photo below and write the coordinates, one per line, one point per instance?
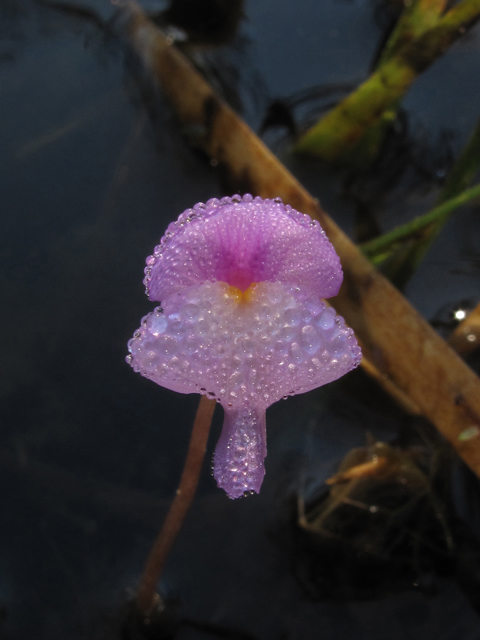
(241, 241)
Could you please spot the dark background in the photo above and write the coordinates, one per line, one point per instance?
(91, 173)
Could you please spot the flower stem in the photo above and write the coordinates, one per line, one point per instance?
(178, 510)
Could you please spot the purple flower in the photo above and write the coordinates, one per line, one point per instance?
(241, 320)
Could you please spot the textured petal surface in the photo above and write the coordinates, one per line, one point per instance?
(240, 241)
(242, 320)
(241, 449)
(251, 353)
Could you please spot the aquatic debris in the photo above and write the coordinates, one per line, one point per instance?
(241, 282)
(385, 522)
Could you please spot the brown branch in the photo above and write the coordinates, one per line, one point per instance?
(178, 510)
(396, 340)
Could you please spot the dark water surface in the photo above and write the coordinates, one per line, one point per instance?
(90, 453)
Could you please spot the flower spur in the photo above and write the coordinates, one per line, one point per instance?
(241, 282)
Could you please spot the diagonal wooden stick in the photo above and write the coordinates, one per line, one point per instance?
(396, 340)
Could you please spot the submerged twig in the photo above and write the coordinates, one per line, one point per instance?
(417, 17)
(179, 507)
(396, 340)
(342, 128)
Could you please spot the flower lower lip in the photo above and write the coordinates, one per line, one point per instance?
(247, 350)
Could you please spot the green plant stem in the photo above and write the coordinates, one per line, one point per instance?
(178, 510)
(333, 137)
(404, 232)
(417, 17)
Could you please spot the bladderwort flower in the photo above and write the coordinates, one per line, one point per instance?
(241, 282)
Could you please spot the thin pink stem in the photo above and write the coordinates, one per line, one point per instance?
(178, 510)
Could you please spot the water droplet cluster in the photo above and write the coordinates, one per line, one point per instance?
(279, 343)
(241, 320)
(240, 452)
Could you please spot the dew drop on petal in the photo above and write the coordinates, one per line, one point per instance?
(309, 340)
(240, 281)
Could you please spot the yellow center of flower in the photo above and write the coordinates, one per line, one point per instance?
(242, 297)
